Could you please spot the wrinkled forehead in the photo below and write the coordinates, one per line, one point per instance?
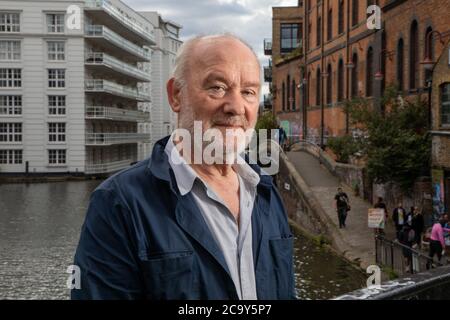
(229, 56)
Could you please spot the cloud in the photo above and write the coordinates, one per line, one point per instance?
(251, 20)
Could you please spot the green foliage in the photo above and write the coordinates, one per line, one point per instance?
(344, 147)
(266, 121)
(396, 142)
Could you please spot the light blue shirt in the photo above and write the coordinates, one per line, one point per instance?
(234, 240)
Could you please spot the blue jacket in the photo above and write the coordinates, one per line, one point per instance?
(142, 240)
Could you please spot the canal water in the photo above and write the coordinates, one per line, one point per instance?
(39, 229)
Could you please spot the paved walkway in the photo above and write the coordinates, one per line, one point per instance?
(358, 237)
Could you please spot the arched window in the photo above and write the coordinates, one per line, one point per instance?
(329, 85)
(341, 17)
(330, 24)
(429, 73)
(308, 91)
(340, 84)
(319, 31)
(445, 104)
(318, 87)
(414, 56)
(400, 65)
(283, 90)
(288, 92)
(355, 76)
(369, 73)
(355, 12)
(294, 92)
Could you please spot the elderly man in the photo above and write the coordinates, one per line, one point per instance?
(173, 228)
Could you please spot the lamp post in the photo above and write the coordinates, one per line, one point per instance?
(379, 76)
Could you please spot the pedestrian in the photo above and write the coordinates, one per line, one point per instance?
(407, 239)
(283, 138)
(381, 205)
(437, 242)
(399, 216)
(342, 205)
(175, 228)
(418, 225)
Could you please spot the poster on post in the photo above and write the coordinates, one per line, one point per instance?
(376, 218)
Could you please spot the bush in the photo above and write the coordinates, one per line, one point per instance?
(343, 147)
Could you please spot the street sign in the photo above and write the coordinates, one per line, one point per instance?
(376, 218)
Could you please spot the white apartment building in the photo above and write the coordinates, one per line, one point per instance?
(75, 86)
(167, 37)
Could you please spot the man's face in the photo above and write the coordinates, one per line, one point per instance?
(222, 89)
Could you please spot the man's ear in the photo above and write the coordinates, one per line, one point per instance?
(173, 94)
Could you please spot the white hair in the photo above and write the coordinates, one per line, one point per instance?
(184, 54)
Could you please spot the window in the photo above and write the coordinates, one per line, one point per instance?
(355, 12)
(10, 105)
(445, 104)
(10, 78)
(329, 85)
(319, 31)
(56, 78)
(309, 37)
(9, 22)
(341, 17)
(56, 105)
(9, 50)
(55, 23)
(294, 90)
(288, 92)
(429, 73)
(10, 132)
(414, 56)
(355, 76)
(369, 73)
(290, 36)
(57, 156)
(318, 88)
(340, 80)
(56, 132)
(56, 50)
(400, 65)
(283, 92)
(330, 25)
(11, 156)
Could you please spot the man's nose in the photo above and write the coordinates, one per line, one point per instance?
(234, 103)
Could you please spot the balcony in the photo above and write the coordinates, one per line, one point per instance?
(116, 114)
(268, 101)
(113, 42)
(108, 139)
(114, 89)
(107, 167)
(104, 11)
(103, 62)
(268, 73)
(268, 47)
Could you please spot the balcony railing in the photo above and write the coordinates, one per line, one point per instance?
(106, 139)
(114, 12)
(117, 40)
(268, 73)
(100, 58)
(268, 100)
(97, 85)
(117, 114)
(268, 47)
(107, 167)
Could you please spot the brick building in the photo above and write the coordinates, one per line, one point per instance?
(441, 133)
(342, 58)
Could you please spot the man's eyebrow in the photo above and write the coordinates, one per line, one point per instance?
(214, 76)
(251, 84)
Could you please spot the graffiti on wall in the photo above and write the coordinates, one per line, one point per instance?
(438, 193)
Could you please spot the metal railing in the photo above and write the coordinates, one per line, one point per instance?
(111, 113)
(99, 85)
(107, 167)
(400, 258)
(116, 39)
(268, 74)
(116, 138)
(117, 14)
(100, 58)
(267, 46)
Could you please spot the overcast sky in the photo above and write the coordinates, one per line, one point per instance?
(249, 19)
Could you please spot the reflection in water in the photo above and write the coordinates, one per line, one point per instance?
(39, 230)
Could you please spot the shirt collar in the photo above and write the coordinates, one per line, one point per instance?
(185, 176)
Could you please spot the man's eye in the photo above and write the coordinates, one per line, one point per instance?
(249, 93)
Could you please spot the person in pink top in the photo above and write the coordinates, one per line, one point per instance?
(437, 242)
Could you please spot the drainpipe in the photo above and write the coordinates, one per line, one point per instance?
(348, 53)
(322, 112)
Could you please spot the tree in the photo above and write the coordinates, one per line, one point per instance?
(396, 143)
